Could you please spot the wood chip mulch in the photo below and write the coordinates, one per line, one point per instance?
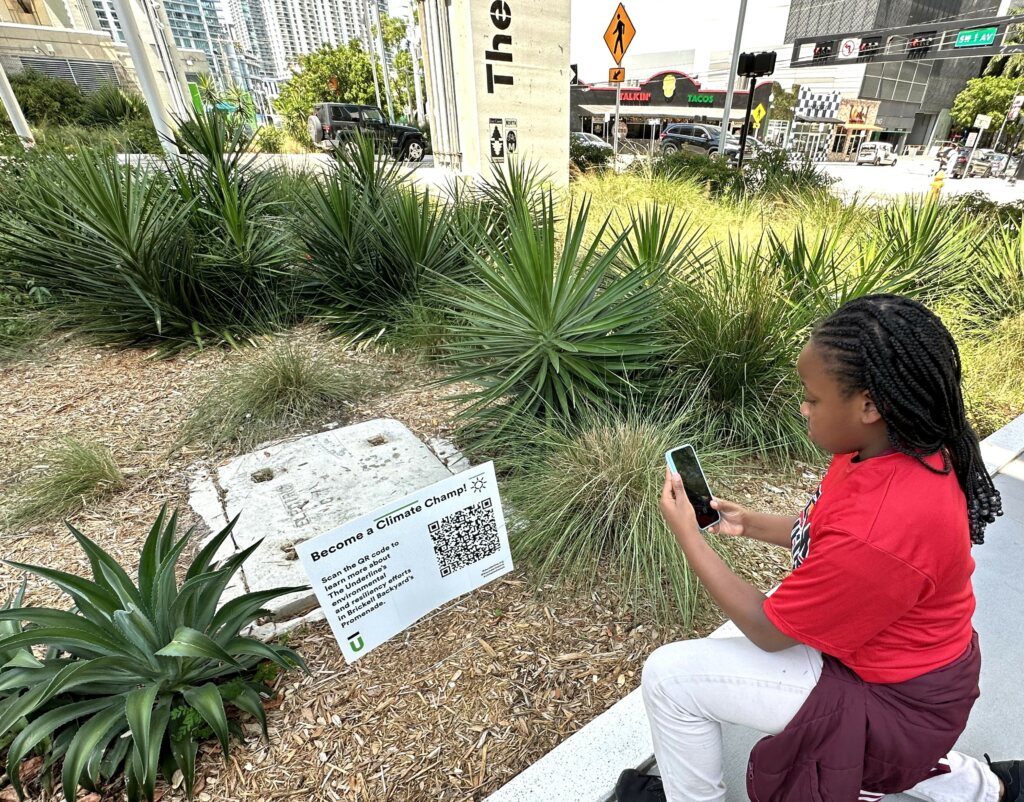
(448, 711)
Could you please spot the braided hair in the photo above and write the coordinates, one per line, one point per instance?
(906, 359)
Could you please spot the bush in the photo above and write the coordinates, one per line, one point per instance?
(269, 139)
(998, 276)
(276, 389)
(23, 318)
(736, 335)
(772, 173)
(111, 105)
(131, 256)
(584, 156)
(74, 472)
(715, 174)
(550, 329)
(128, 655)
(585, 499)
(977, 204)
(46, 100)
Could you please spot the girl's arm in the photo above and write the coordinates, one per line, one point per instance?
(738, 521)
(739, 600)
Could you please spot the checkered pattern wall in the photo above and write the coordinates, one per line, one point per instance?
(817, 105)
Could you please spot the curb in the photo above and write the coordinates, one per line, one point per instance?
(585, 766)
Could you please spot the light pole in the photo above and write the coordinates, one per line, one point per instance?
(732, 77)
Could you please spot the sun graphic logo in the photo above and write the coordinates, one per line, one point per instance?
(478, 484)
(668, 85)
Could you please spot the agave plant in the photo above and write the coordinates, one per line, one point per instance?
(548, 329)
(130, 658)
(999, 277)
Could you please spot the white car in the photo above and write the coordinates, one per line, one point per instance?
(585, 138)
(876, 153)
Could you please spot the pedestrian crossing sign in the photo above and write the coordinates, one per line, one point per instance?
(619, 34)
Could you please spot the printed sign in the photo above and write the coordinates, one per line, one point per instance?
(758, 113)
(616, 75)
(496, 140)
(1015, 107)
(511, 137)
(982, 121)
(849, 48)
(379, 574)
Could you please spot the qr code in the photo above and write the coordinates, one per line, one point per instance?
(464, 537)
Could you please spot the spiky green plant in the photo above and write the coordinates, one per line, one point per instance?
(998, 277)
(130, 653)
(550, 328)
(75, 471)
(585, 499)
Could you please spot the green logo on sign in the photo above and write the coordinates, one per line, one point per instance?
(978, 37)
(700, 99)
(355, 642)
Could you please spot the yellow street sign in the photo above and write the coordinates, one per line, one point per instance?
(757, 125)
(758, 114)
(619, 34)
(616, 75)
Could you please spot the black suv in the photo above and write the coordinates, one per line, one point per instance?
(697, 138)
(333, 122)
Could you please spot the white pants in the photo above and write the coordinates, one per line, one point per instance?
(691, 687)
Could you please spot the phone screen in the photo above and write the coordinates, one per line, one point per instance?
(685, 461)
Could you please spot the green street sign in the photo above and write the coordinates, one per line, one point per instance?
(976, 37)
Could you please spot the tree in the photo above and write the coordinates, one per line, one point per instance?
(989, 95)
(1011, 66)
(339, 74)
(783, 102)
(209, 94)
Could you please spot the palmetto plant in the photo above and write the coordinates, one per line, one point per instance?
(548, 328)
(130, 654)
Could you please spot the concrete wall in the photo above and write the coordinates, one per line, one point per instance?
(510, 74)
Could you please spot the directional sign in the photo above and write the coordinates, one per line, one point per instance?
(982, 121)
(977, 37)
(758, 114)
(849, 48)
(616, 75)
(1015, 107)
(619, 34)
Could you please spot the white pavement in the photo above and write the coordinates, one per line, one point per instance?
(912, 175)
(584, 767)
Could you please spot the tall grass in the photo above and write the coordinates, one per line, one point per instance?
(585, 500)
(73, 473)
(273, 391)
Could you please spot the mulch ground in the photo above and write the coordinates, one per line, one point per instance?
(451, 709)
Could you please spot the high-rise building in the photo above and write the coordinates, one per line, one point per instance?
(295, 27)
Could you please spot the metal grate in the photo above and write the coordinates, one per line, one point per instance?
(88, 75)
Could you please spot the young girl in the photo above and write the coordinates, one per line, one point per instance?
(863, 664)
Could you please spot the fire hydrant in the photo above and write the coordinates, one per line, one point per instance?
(937, 183)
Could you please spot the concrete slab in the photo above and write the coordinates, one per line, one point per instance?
(291, 491)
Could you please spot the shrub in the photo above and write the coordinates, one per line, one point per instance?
(998, 276)
(736, 335)
(110, 105)
(585, 156)
(130, 653)
(549, 328)
(772, 173)
(585, 499)
(269, 139)
(275, 389)
(978, 204)
(47, 100)
(23, 318)
(715, 174)
(75, 471)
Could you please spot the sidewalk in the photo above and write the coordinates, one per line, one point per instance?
(584, 767)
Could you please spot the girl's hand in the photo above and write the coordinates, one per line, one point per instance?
(733, 518)
(675, 506)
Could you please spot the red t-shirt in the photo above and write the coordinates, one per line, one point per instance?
(886, 583)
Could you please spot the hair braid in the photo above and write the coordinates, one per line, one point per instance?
(906, 359)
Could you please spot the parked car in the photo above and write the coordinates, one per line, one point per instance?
(593, 140)
(876, 153)
(697, 138)
(332, 123)
(987, 163)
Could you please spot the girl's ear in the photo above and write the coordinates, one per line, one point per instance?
(869, 413)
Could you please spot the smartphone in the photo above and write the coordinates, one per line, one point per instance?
(683, 460)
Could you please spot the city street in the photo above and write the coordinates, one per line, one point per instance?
(911, 175)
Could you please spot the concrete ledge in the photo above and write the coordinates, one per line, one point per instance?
(585, 766)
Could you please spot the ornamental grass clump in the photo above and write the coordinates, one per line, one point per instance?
(585, 500)
(275, 390)
(73, 473)
(134, 666)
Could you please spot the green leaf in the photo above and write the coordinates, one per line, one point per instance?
(188, 642)
(184, 752)
(147, 727)
(96, 731)
(249, 701)
(207, 700)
